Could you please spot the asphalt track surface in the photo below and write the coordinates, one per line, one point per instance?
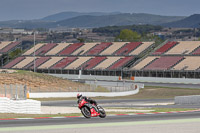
(132, 103)
(151, 123)
(108, 119)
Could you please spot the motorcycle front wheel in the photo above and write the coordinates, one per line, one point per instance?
(86, 112)
(102, 112)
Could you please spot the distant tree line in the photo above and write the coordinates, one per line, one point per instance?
(115, 30)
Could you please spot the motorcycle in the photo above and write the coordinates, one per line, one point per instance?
(88, 109)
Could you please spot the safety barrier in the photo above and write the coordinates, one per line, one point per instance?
(134, 90)
(19, 106)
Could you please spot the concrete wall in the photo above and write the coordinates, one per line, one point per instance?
(137, 79)
(194, 99)
(167, 80)
(89, 94)
(20, 106)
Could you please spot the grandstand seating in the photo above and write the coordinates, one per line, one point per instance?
(4, 44)
(92, 62)
(98, 48)
(84, 56)
(14, 62)
(143, 63)
(114, 47)
(141, 48)
(50, 62)
(70, 49)
(45, 48)
(189, 63)
(30, 51)
(108, 62)
(196, 51)
(126, 49)
(164, 63)
(120, 63)
(24, 62)
(57, 49)
(164, 48)
(63, 63)
(184, 48)
(84, 48)
(9, 47)
(77, 63)
(38, 62)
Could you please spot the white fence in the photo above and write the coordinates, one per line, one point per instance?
(13, 91)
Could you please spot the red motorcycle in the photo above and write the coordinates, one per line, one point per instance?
(88, 109)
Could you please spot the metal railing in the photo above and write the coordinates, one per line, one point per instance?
(13, 91)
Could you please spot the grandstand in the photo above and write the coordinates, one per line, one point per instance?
(70, 49)
(97, 49)
(57, 49)
(7, 46)
(184, 48)
(172, 59)
(126, 49)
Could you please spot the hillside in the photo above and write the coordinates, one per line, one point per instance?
(68, 15)
(119, 19)
(40, 82)
(192, 21)
(92, 21)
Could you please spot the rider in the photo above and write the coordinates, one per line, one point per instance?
(87, 99)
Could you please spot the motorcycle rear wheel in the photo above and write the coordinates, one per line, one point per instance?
(102, 112)
(86, 112)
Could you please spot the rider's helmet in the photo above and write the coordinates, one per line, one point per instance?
(79, 95)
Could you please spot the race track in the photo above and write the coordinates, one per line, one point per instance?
(123, 122)
(173, 122)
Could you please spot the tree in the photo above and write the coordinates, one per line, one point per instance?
(81, 40)
(15, 53)
(128, 35)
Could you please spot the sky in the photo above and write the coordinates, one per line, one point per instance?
(35, 9)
